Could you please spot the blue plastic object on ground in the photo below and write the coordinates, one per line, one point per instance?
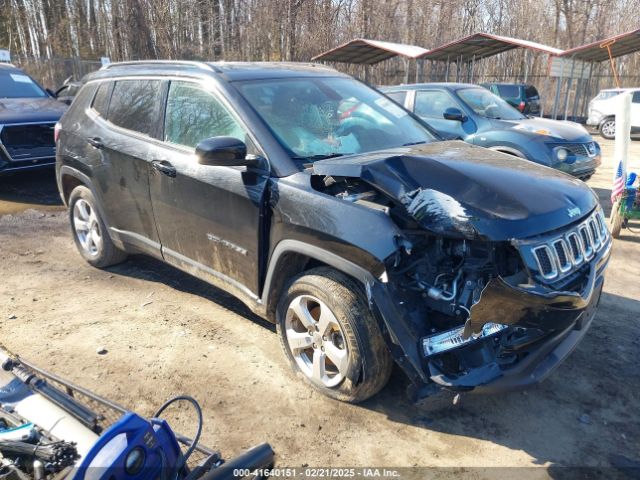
(133, 448)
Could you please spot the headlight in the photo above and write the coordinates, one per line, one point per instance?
(562, 154)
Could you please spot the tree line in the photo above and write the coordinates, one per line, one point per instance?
(296, 30)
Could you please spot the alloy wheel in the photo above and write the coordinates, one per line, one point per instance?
(87, 227)
(316, 341)
(609, 128)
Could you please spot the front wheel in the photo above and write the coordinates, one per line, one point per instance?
(608, 128)
(331, 337)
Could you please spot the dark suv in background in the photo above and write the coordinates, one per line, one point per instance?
(523, 97)
(339, 216)
(28, 114)
(477, 116)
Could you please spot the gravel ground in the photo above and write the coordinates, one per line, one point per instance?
(166, 333)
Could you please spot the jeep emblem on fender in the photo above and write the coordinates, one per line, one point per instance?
(573, 212)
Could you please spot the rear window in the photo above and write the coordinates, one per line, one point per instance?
(101, 100)
(15, 84)
(135, 105)
(636, 97)
(509, 91)
(397, 97)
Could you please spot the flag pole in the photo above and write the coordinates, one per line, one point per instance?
(623, 134)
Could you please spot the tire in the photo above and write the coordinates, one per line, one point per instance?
(93, 243)
(615, 220)
(608, 128)
(325, 311)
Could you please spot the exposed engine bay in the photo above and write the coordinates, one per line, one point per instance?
(439, 279)
(472, 302)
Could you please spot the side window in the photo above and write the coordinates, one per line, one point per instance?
(194, 114)
(101, 100)
(398, 97)
(433, 103)
(636, 97)
(135, 105)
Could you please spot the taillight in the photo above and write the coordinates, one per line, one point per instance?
(56, 132)
(521, 106)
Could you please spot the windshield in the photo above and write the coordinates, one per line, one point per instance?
(316, 118)
(488, 105)
(605, 94)
(15, 84)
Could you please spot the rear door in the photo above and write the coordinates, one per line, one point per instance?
(209, 218)
(126, 139)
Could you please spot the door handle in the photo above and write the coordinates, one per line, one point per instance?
(95, 142)
(164, 167)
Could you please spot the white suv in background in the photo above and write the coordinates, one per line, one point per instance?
(602, 111)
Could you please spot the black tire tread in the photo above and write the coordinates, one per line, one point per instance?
(110, 255)
(371, 360)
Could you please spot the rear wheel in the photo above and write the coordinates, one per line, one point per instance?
(608, 128)
(331, 337)
(89, 231)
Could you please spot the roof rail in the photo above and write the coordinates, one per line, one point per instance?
(201, 65)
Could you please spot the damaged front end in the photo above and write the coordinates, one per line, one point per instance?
(465, 308)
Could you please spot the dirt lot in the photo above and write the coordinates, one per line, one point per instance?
(167, 333)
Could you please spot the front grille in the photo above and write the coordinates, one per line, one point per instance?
(563, 254)
(28, 142)
(578, 149)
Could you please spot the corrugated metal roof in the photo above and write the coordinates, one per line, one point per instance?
(368, 52)
(622, 44)
(481, 45)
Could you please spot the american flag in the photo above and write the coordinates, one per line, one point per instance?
(618, 184)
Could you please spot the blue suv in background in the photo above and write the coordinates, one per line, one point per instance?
(474, 114)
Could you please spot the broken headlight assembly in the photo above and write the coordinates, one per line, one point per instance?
(439, 280)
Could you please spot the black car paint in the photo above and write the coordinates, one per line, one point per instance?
(507, 200)
(25, 112)
(514, 137)
(270, 222)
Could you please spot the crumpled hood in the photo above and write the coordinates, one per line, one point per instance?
(558, 130)
(24, 110)
(456, 189)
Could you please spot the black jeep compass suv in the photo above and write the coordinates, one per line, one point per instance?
(335, 213)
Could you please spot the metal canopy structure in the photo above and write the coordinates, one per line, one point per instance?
(482, 45)
(368, 52)
(620, 45)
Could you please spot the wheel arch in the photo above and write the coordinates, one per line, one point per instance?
(293, 257)
(606, 118)
(70, 178)
(508, 150)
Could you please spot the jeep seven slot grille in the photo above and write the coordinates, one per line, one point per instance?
(565, 253)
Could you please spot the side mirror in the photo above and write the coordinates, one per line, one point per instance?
(223, 152)
(456, 114)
